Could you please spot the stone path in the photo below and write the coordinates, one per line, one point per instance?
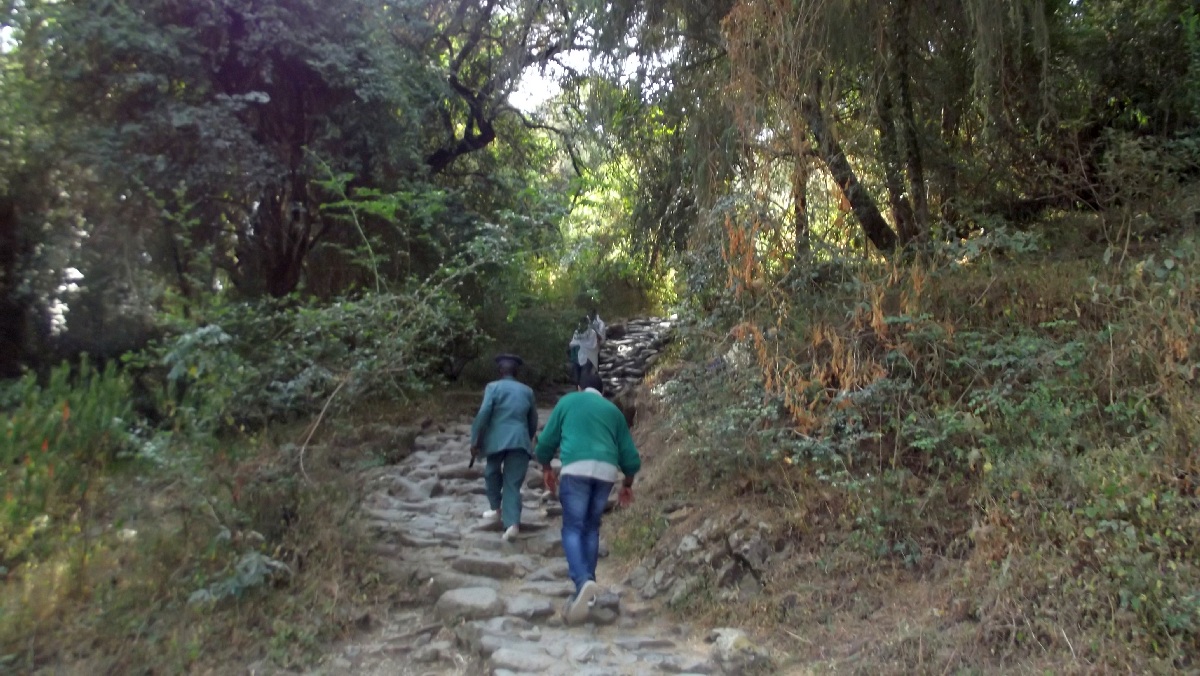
(494, 605)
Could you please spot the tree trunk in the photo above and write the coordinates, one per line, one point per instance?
(801, 190)
(830, 152)
(800, 203)
(12, 313)
(893, 178)
(914, 165)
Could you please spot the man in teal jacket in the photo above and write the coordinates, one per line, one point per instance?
(502, 432)
(595, 444)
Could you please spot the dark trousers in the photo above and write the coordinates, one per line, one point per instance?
(578, 371)
(502, 476)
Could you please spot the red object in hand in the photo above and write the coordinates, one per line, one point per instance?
(550, 479)
(625, 497)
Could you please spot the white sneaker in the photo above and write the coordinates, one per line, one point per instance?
(492, 514)
(580, 605)
(511, 533)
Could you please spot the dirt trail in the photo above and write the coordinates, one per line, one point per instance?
(493, 607)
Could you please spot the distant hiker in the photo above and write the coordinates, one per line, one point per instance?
(598, 324)
(601, 330)
(584, 350)
(594, 442)
(502, 432)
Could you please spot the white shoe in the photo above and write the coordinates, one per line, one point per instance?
(580, 605)
(492, 514)
(511, 533)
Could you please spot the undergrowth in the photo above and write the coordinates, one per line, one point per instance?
(1031, 419)
(221, 559)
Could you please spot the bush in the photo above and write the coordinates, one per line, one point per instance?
(255, 362)
(1041, 431)
(58, 438)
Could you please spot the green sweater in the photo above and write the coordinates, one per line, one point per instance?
(586, 426)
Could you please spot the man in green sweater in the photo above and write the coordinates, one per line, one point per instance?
(503, 431)
(595, 445)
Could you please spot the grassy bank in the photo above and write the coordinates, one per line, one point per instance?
(984, 461)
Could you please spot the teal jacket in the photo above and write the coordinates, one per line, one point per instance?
(507, 419)
(586, 426)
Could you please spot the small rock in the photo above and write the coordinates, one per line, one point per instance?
(687, 545)
(729, 574)
(603, 616)
(638, 578)
(608, 599)
(750, 548)
(681, 665)
(681, 590)
(432, 652)
(649, 591)
(735, 653)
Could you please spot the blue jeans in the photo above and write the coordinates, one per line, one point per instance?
(583, 500)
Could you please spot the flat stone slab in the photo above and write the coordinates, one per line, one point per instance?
(583, 653)
(522, 658)
(489, 543)
(486, 566)
(445, 580)
(552, 589)
(528, 607)
(554, 572)
(462, 472)
(469, 603)
(635, 643)
(547, 543)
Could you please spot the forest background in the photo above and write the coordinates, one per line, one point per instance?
(934, 262)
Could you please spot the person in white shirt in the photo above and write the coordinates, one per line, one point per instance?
(598, 324)
(584, 350)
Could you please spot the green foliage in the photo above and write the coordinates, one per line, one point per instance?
(267, 360)
(1055, 457)
(58, 438)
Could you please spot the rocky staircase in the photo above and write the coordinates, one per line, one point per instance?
(493, 607)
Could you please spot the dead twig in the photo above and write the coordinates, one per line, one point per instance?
(317, 423)
(420, 631)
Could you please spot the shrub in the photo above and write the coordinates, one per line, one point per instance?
(58, 437)
(250, 363)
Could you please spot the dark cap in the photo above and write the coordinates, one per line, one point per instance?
(500, 358)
